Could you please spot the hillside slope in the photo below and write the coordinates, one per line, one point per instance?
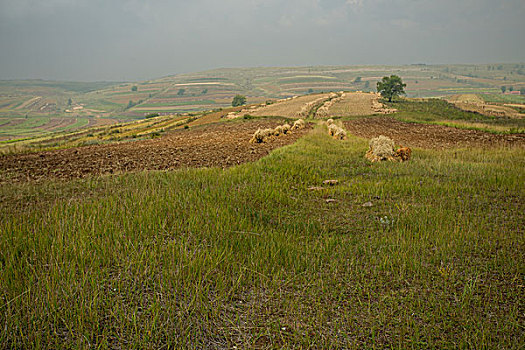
(29, 108)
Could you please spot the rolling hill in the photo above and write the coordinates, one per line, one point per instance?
(36, 108)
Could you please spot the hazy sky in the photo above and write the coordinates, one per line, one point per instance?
(138, 39)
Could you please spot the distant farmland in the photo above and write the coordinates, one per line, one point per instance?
(83, 104)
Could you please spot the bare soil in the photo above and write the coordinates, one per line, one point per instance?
(219, 145)
(428, 136)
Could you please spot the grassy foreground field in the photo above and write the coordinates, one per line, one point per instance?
(253, 257)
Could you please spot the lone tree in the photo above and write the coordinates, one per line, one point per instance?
(503, 89)
(390, 87)
(134, 88)
(239, 100)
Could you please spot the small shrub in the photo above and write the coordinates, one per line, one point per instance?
(239, 100)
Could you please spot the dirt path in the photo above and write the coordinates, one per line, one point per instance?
(428, 136)
(221, 145)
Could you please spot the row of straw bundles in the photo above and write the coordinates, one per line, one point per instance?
(261, 135)
(305, 110)
(336, 132)
(244, 111)
(378, 107)
(383, 148)
(324, 110)
(298, 124)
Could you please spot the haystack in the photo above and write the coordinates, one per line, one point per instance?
(383, 148)
(340, 134)
(336, 132)
(298, 124)
(332, 128)
(261, 135)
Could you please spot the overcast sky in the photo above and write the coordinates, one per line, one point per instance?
(139, 39)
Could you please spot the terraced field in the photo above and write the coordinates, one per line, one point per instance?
(479, 104)
(213, 145)
(11, 128)
(295, 108)
(214, 89)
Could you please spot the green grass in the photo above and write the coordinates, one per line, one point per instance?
(437, 111)
(298, 80)
(178, 103)
(31, 127)
(78, 124)
(249, 257)
(500, 98)
(105, 105)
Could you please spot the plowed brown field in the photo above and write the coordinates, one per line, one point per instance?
(428, 136)
(220, 145)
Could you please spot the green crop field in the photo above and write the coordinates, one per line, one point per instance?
(499, 98)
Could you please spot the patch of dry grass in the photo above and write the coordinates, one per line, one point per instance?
(353, 104)
(289, 108)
